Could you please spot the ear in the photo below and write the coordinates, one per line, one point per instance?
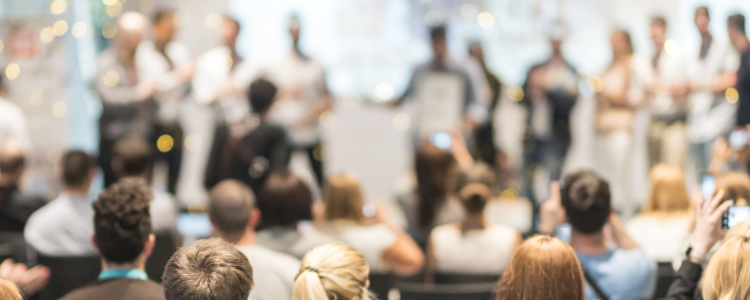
(93, 243)
(149, 246)
(255, 217)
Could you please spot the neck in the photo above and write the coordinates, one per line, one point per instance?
(705, 35)
(77, 191)
(139, 263)
(161, 45)
(7, 181)
(594, 243)
(245, 239)
(473, 221)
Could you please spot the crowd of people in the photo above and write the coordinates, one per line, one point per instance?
(273, 240)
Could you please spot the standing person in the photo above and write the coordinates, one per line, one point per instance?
(711, 71)
(485, 133)
(304, 81)
(738, 37)
(13, 123)
(127, 104)
(15, 206)
(550, 92)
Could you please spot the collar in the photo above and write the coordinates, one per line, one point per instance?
(122, 273)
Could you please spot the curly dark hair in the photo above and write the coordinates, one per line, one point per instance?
(122, 221)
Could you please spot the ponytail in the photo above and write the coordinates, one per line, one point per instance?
(308, 286)
(332, 272)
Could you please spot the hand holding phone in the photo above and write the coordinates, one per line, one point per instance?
(734, 215)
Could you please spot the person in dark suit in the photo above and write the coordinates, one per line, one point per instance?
(15, 206)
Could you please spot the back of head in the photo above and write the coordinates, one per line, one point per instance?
(668, 193)
(727, 275)
(737, 22)
(343, 199)
(209, 269)
(542, 268)
(9, 290)
(261, 94)
(12, 158)
(437, 33)
(660, 21)
(122, 222)
(284, 200)
(433, 168)
(586, 199)
(474, 187)
(736, 186)
(740, 230)
(229, 206)
(77, 166)
(333, 271)
(134, 156)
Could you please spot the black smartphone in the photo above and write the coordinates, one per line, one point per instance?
(735, 215)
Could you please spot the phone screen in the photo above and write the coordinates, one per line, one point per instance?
(735, 215)
(442, 140)
(708, 186)
(738, 139)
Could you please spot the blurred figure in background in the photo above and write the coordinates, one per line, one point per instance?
(15, 206)
(738, 37)
(284, 201)
(13, 123)
(333, 271)
(736, 186)
(305, 97)
(484, 135)
(127, 104)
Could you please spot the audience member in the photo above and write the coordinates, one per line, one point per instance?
(15, 206)
(736, 186)
(283, 201)
(663, 225)
(63, 227)
(462, 247)
(208, 270)
(9, 290)
(122, 236)
(232, 211)
(542, 268)
(584, 201)
(385, 247)
(333, 271)
(30, 281)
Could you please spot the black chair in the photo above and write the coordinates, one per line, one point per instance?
(13, 245)
(469, 291)
(665, 274)
(68, 273)
(164, 248)
(454, 278)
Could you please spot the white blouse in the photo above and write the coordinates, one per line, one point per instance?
(486, 251)
(661, 237)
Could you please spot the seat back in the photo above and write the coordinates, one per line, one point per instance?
(13, 245)
(164, 248)
(68, 273)
(469, 291)
(454, 278)
(664, 276)
(381, 284)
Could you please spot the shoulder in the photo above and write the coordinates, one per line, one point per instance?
(635, 258)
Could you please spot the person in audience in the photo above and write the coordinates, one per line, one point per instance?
(584, 201)
(122, 236)
(15, 206)
(209, 269)
(736, 186)
(663, 225)
(385, 247)
(232, 211)
(63, 227)
(9, 290)
(543, 268)
(283, 201)
(461, 247)
(332, 271)
(30, 281)
(13, 124)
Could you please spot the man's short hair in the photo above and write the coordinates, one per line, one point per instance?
(705, 10)
(659, 20)
(261, 95)
(135, 154)
(76, 167)
(586, 199)
(12, 159)
(437, 33)
(122, 222)
(737, 21)
(161, 15)
(229, 206)
(209, 269)
(284, 200)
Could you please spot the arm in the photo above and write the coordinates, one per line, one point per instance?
(325, 104)
(404, 256)
(431, 267)
(552, 214)
(685, 284)
(281, 152)
(459, 150)
(619, 234)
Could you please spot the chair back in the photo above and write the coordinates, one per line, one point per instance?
(13, 245)
(469, 291)
(68, 273)
(665, 274)
(454, 278)
(164, 248)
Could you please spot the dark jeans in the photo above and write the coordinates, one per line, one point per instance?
(315, 156)
(549, 154)
(485, 143)
(173, 157)
(106, 153)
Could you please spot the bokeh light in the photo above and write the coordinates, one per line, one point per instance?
(327, 119)
(384, 91)
(515, 93)
(109, 31)
(672, 47)
(732, 95)
(59, 109)
(60, 28)
(58, 7)
(46, 35)
(486, 20)
(79, 29)
(469, 11)
(36, 98)
(12, 71)
(433, 18)
(114, 10)
(213, 20)
(193, 142)
(112, 78)
(165, 143)
(402, 122)
(109, 2)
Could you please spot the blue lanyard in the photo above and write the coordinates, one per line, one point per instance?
(120, 273)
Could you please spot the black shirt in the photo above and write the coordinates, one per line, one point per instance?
(16, 208)
(259, 153)
(743, 87)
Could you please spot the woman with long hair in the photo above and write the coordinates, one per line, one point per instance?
(332, 271)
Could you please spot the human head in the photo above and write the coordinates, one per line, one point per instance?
(474, 187)
(9, 290)
(702, 18)
(727, 275)
(658, 32)
(433, 168)
(586, 199)
(284, 200)
(740, 230)
(294, 28)
(333, 271)
(261, 95)
(130, 29)
(439, 43)
(122, 223)
(164, 26)
(542, 268)
(12, 164)
(736, 186)
(78, 169)
(133, 157)
(229, 31)
(210, 269)
(736, 31)
(231, 208)
(668, 193)
(343, 199)
(622, 45)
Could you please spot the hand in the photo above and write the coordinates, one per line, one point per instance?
(30, 280)
(708, 229)
(145, 90)
(552, 214)
(185, 72)
(318, 213)
(618, 233)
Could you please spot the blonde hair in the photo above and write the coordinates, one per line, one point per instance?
(668, 194)
(9, 290)
(332, 272)
(740, 230)
(736, 186)
(727, 276)
(343, 198)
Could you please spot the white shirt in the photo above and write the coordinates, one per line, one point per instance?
(487, 251)
(152, 65)
(660, 237)
(670, 71)
(63, 227)
(273, 273)
(213, 71)
(13, 125)
(164, 213)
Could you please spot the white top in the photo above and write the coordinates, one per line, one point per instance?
(371, 241)
(670, 71)
(164, 213)
(214, 71)
(487, 251)
(152, 65)
(660, 237)
(13, 125)
(273, 273)
(63, 227)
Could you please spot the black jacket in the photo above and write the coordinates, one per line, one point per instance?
(685, 284)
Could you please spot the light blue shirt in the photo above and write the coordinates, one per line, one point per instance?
(621, 274)
(123, 273)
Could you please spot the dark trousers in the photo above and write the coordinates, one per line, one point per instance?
(485, 143)
(106, 153)
(173, 157)
(547, 153)
(315, 156)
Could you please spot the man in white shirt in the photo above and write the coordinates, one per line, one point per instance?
(13, 124)
(64, 226)
(232, 211)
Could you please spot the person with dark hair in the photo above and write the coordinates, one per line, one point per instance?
(738, 37)
(231, 208)
(123, 239)
(284, 201)
(63, 227)
(584, 201)
(208, 270)
(484, 135)
(15, 206)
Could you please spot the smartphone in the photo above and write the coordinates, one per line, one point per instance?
(708, 186)
(738, 139)
(734, 215)
(442, 140)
